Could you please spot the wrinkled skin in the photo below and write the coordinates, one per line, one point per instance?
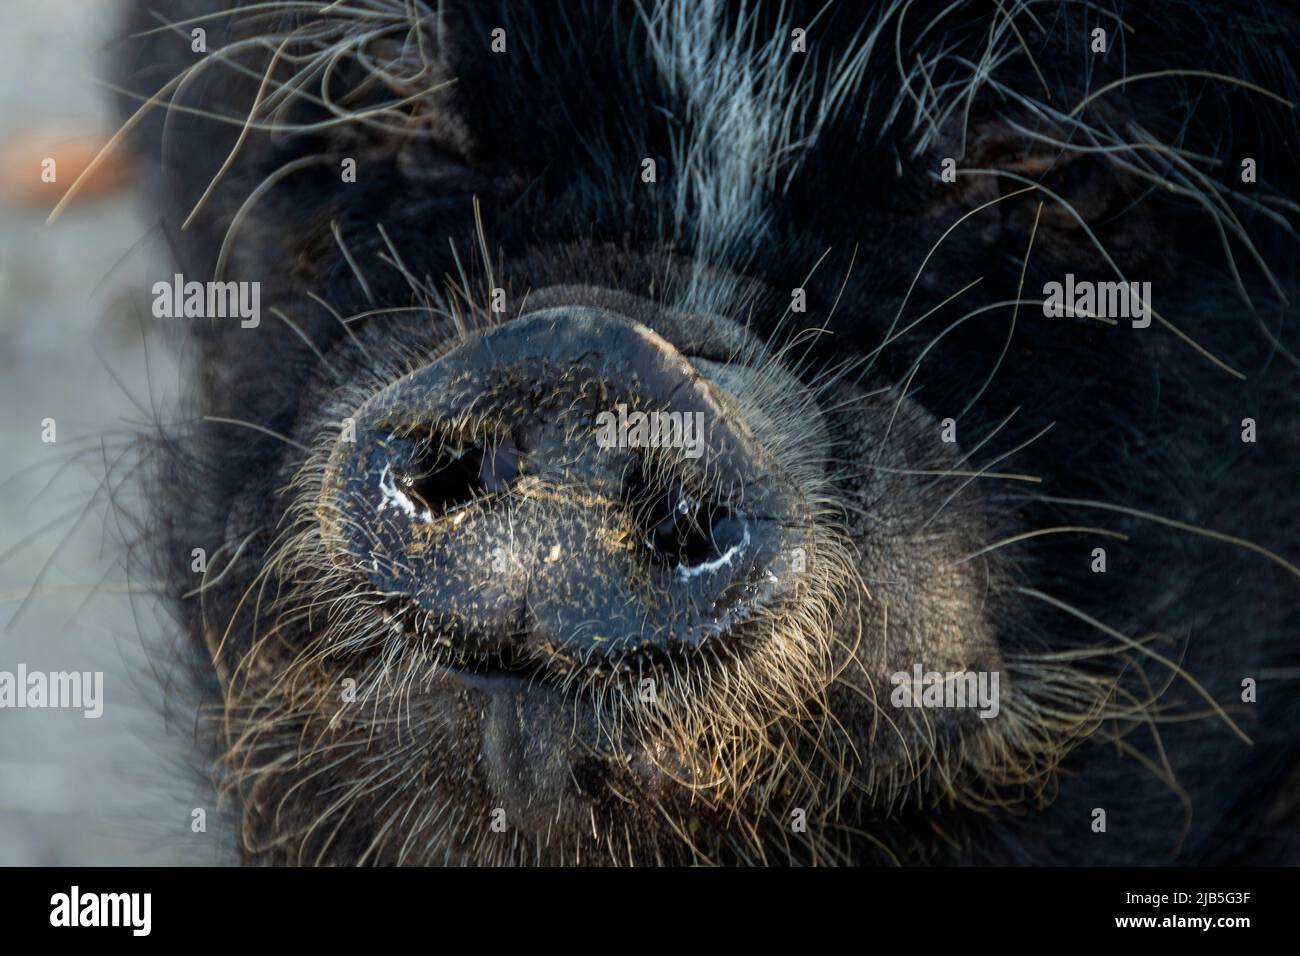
(445, 623)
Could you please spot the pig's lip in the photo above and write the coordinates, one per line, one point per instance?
(511, 672)
(647, 772)
(492, 681)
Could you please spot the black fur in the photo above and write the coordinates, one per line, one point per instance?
(549, 140)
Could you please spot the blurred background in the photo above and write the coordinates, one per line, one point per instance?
(78, 344)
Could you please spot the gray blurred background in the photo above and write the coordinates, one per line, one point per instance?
(77, 345)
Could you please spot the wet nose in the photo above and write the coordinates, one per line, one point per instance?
(565, 486)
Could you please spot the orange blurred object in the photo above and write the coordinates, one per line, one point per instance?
(28, 179)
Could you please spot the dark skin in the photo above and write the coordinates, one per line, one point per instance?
(435, 642)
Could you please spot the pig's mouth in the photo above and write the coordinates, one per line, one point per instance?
(599, 568)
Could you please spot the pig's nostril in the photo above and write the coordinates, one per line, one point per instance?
(680, 529)
(439, 476)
